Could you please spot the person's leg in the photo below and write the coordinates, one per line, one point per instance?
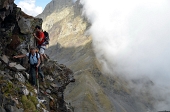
(42, 58)
(44, 55)
(41, 73)
(33, 75)
(41, 54)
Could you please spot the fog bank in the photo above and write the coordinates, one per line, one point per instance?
(132, 40)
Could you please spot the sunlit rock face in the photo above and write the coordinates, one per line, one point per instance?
(72, 45)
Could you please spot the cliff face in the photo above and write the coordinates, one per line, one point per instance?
(70, 44)
(16, 92)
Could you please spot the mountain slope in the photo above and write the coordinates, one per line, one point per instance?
(70, 44)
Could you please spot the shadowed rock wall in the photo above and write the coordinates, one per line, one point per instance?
(16, 92)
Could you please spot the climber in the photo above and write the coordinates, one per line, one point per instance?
(39, 35)
(34, 60)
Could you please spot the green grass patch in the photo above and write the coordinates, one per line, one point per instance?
(28, 104)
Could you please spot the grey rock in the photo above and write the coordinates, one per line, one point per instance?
(60, 94)
(2, 29)
(2, 72)
(26, 75)
(44, 110)
(1, 99)
(31, 94)
(10, 108)
(56, 85)
(23, 51)
(49, 78)
(25, 91)
(7, 77)
(20, 110)
(23, 45)
(50, 97)
(5, 59)
(15, 100)
(71, 78)
(2, 109)
(25, 25)
(20, 77)
(19, 68)
(12, 64)
(48, 91)
(41, 100)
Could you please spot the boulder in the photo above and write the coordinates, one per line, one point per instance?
(7, 77)
(15, 100)
(49, 78)
(10, 108)
(5, 59)
(56, 85)
(25, 25)
(23, 51)
(19, 68)
(2, 72)
(44, 110)
(2, 109)
(20, 77)
(71, 78)
(48, 91)
(25, 90)
(12, 64)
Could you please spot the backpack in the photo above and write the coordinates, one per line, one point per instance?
(46, 38)
(30, 56)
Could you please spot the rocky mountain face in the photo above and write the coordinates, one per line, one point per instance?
(71, 45)
(16, 92)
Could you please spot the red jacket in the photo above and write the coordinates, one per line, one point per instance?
(40, 35)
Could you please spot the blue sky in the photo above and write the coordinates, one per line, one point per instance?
(32, 7)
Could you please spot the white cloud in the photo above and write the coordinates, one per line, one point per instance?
(29, 7)
(131, 39)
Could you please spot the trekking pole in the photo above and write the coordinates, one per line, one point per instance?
(37, 80)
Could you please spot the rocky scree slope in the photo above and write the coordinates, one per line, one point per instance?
(70, 44)
(16, 93)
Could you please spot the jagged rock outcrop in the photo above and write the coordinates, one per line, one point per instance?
(16, 93)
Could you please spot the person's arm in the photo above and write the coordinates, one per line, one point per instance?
(39, 39)
(20, 56)
(39, 61)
